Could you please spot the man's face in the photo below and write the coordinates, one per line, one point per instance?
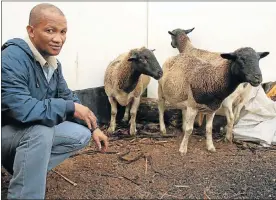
(49, 34)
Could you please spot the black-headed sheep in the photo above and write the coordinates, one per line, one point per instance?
(232, 105)
(126, 78)
(193, 85)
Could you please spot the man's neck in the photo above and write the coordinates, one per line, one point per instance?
(42, 58)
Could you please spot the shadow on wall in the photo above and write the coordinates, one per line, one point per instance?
(97, 100)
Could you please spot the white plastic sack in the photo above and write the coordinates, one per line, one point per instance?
(257, 119)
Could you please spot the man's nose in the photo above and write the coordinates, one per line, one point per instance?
(57, 38)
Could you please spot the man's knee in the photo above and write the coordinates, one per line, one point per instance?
(72, 133)
(41, 135)
(84, 135)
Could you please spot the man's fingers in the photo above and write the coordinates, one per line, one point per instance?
(88, 123)
(98, 143)
(105, 144)
(104, 141)
(93, 116)
(93, 121)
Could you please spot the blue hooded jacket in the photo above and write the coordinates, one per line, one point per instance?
(27, 97)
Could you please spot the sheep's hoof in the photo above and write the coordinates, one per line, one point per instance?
(110, 130)
(132, 132)
(212, 149)
(222, 130)
(183, 152)
(228, 139)
(163, 132)
(125, 120)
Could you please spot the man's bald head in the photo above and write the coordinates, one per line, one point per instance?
(37, 13)
(47, 29)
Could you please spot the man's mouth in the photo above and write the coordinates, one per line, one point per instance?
(56, 47)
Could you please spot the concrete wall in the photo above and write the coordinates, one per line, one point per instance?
(99, 31)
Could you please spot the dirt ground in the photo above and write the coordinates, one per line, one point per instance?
(150, 167)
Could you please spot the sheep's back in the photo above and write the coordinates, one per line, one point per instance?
(115, 73)
(196, 79)
(177, 76)
(212, 57)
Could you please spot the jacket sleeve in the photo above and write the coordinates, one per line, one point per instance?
(63, 91)
(17, 102)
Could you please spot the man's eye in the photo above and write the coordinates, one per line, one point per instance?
(50, 31)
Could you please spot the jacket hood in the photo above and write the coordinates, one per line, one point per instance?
(20, 43)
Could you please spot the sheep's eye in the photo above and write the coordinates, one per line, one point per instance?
(243, 60)
(143, 60)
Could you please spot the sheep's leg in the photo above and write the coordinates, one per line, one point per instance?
(190, 119)
(161, 108)
(184, 119)
(133, 113)
(237, 111)
(112, 125)
(209, 137)
(199, 119)
(230, 123)
(126, 115)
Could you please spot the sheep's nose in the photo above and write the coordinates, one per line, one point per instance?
(258, 77)
(160, 73)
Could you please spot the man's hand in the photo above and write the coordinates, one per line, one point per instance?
(99, 136)
(84, 113)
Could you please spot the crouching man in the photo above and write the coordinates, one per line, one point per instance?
(39, 111)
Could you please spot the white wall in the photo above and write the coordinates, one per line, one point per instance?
(99, 31)
(219, 26)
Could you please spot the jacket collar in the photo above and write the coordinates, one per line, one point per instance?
(51, 60)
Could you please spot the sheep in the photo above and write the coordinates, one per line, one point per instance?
(182, 42)
(192, 84)
(126, 78)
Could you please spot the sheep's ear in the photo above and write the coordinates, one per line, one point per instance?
(229, 56)
(263, 54)
(189, 30)
(152, 50)
(171, 33)
(134, 56)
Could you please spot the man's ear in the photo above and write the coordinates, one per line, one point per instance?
(30, 30)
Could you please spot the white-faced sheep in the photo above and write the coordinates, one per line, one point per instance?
(126, 78)
(191, 84)
(232, 105)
